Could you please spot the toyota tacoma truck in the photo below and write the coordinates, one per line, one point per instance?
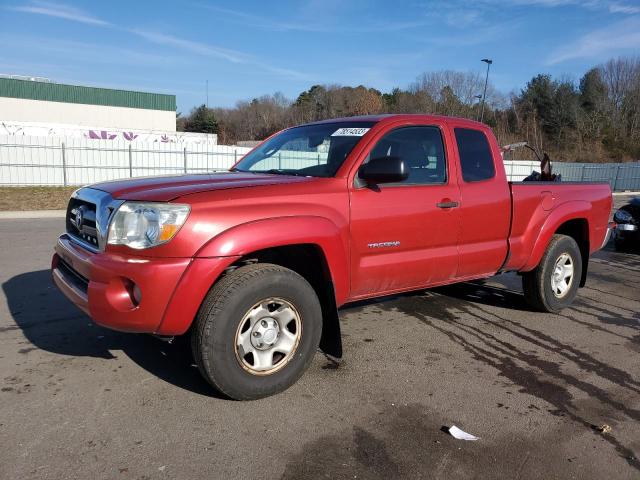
(253, 263)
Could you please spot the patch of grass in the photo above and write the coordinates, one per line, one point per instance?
(34, 198)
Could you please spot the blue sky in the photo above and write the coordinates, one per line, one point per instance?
(249, 48)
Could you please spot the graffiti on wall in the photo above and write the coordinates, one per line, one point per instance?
(112, 134)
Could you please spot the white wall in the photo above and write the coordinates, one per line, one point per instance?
(37, 129)
(22, 110)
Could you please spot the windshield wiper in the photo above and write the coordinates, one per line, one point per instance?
(237, 170)
(279, 171)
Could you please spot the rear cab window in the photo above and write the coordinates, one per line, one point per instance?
(476, 159)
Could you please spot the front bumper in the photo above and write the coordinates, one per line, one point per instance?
(626, 227)
(626, 232)
(108, 286)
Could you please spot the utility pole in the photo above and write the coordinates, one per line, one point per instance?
(207, 88)
(486, 79)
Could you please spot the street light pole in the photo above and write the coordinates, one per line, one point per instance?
(479, 98)
(486, 79)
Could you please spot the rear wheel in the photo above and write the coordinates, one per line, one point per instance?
(257, 331)
(554, 283)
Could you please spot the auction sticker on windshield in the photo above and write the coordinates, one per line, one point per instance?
(350, 132)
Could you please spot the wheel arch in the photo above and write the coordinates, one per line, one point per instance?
(247, 238)
(311, 246)
(571, 219)
(578, 229)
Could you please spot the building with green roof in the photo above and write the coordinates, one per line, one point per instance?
(39, 101)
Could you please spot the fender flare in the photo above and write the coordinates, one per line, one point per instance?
(573, 210)
(249, 237)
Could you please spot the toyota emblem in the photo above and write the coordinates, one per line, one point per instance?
(79, 217)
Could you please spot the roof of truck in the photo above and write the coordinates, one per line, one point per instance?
(395, 116)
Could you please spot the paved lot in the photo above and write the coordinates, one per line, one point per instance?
(78, 401)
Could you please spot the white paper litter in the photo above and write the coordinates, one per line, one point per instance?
(460, 434)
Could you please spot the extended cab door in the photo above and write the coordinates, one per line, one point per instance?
(485, 202)
(405, 235)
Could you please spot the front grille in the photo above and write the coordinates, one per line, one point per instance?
(81, 221)
(89, 214)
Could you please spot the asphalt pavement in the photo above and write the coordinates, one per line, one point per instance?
(79, 401)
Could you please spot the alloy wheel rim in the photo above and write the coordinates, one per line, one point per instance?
(562, 275)
(268, 336)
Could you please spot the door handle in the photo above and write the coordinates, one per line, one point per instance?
(447, 204)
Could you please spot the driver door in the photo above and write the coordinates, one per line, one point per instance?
(405, 235)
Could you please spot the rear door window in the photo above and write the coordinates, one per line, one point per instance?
(476, 160)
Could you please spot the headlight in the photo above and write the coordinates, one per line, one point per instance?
(143, 225)
(622, 216)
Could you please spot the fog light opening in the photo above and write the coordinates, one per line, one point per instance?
(136, 294)
(133, 291)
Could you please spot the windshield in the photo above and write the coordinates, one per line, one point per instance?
(311, 150)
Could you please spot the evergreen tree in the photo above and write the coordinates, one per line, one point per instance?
(201, 119)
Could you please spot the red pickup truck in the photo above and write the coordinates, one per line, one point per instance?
(255, 262)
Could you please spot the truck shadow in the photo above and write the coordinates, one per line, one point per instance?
(564, 379)
(51, 323)
(479, 292)
(475, 316)
(475, 291)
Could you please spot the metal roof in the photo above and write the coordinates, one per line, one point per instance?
(59, 92)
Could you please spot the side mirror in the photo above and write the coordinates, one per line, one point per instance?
(383, 170)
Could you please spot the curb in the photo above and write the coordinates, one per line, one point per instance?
(617, 194)
(32, 214)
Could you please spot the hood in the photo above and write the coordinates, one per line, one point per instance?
(166, 188)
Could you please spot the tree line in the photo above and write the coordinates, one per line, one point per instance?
(595, 119)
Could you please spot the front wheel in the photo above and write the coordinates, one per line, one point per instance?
(554, 283)
(257, 331)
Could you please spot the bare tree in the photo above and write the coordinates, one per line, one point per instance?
(595, 119)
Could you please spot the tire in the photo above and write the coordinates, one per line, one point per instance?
(235, 310)
(542, 290)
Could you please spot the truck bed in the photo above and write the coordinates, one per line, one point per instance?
(535, 203)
